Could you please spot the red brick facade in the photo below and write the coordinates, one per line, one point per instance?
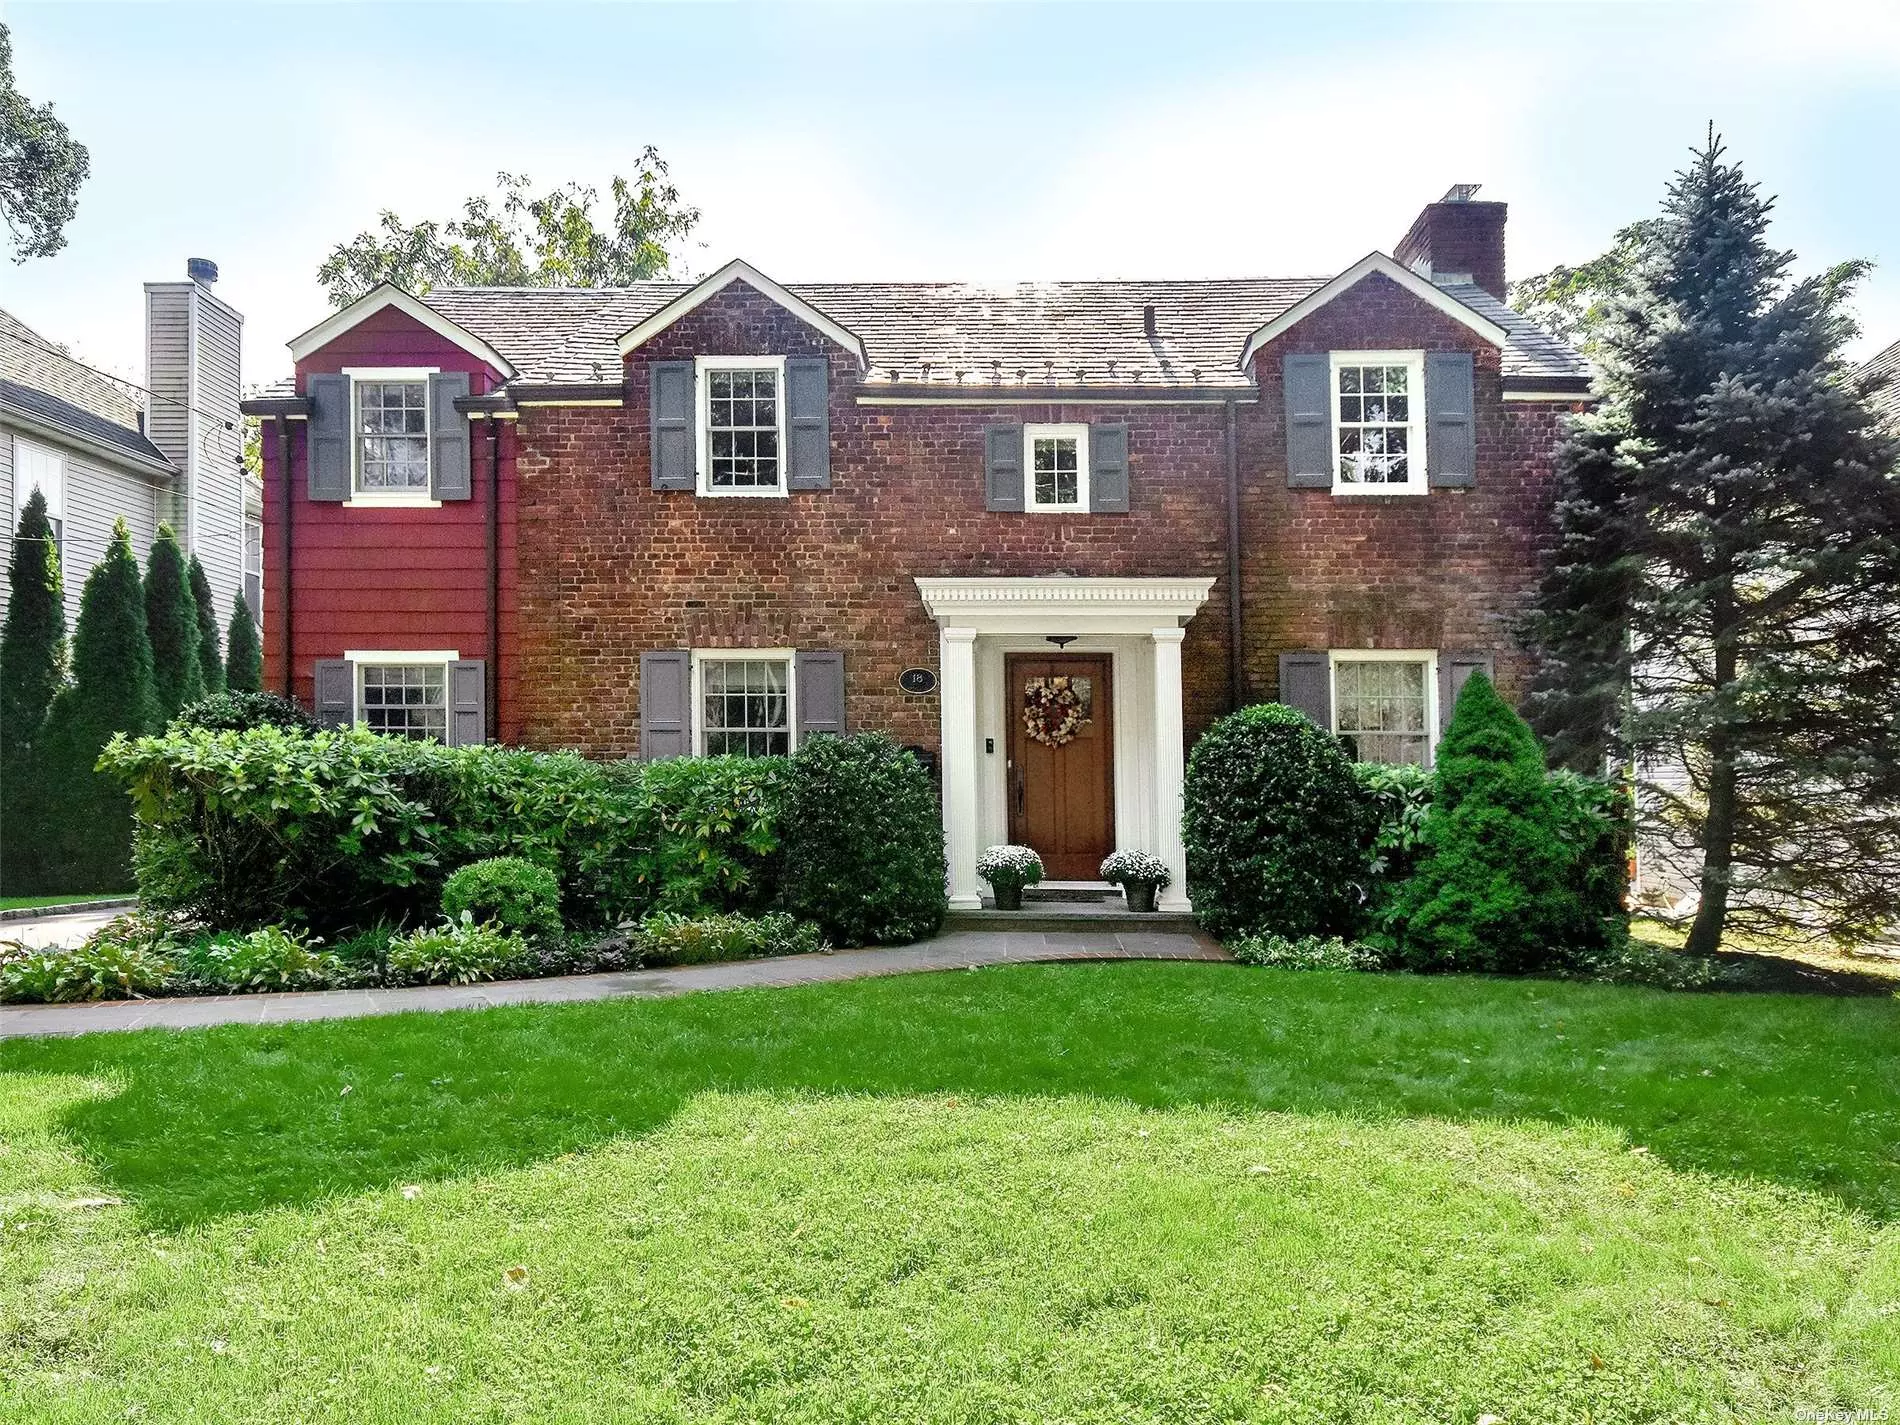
(599, 567)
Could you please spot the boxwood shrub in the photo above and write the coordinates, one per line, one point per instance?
(863, 836)
(1277, 827)
(509, 892)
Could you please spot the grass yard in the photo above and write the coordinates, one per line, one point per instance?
(1081, 1192)
(35, 902)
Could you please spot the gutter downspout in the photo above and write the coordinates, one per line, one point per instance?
(288, 622)
(1236, 654)
(493, 680)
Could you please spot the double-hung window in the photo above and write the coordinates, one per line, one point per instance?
(741, 425)
(39, 467)
(404, 699)
(389, 456)
(1383, 704)
(744, 702)
(1056, 468)
(1378, 400)
(254, 569)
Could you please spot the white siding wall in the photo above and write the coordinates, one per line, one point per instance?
(97, 494)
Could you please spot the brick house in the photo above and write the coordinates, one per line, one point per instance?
(1045, 533)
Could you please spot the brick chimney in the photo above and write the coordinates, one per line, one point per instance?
(1458, 240)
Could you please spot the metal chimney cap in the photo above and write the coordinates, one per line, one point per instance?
(201, 269)
(1461, 193)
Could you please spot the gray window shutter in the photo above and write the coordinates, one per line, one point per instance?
(1108, 470)
(468, 702)
(666, 703)
(820, 693)
(672, 418)
(808, 423)
(1306, 683)
(1003, 468)
(1451, 451)
(327, 458)
(1454, 670)
(448, 437)
(1308, 382)
(336, 692)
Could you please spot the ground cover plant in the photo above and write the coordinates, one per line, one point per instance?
(1098, 1192)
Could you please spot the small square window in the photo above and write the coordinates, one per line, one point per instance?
(1056, 468)
(745, 706)
(405, 700)
(1382, 707)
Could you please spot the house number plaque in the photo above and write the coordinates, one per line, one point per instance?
(917, 680)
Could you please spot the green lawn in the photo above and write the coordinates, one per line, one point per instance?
(1082, 1192)
(33, 902)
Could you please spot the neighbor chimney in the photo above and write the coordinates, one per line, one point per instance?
(1458, 240)
(201, 269)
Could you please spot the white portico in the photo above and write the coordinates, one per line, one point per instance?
(1132, 630)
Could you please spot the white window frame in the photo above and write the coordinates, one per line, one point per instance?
(31, 452)
(1066, 431)
(703, 656)
(257, 607)
(387, 499)
(702, 423)
(1427, 656)
(1415, 474)
(359, 659)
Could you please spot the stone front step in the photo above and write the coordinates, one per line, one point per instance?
(1070, 915)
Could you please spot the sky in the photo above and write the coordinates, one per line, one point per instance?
(910, 141)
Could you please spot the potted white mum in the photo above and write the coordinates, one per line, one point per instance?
(1008, 869)
(1139, 874)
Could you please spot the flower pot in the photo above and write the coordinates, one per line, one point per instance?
(1008, 897)
(1140, 894)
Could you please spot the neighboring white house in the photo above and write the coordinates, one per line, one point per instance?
(101, 449)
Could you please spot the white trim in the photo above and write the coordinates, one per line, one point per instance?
(1373, 262)
(393, 500)
(1427, 656)
(702, 656)
(738, 270)
(1416, 453)
(1031, 605)
(702, 416)
(389, 373)
(1079, 433)
(387, 294)
(401, 658)
(1017, 396)
(414, 498)
(1583, 396)
(403, 655)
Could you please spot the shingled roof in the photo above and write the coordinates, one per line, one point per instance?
(1073, 333)
(1885, 368)
(41, 383)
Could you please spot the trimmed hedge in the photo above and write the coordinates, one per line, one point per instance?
(238, 709)
(507, 891)
(1277, 827)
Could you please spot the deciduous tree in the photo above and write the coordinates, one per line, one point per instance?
(41, 168)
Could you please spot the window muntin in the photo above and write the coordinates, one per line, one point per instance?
(745, 705)
(1056, 468)
(741, 425)
(1378, 432)
(37, 467)
(392, 436)
(404, 699)
(1384, 705)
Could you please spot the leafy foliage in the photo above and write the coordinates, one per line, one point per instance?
(171, 622)
(456, 952)
(1576, 303)
(128, 957)
(666, 938)
(1308, 952)
(268, 958)
(244, 662)
(710, 831)
(87, 829)
(518, 240)
(1501, 887)
(32, 668)
(238, 711)
(41, 168)
(210, 653)
(509, 892)
(863, 841)
(1276, 825)
(1729, 570)
(1401, 794)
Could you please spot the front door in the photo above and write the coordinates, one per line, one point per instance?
(1062, 761)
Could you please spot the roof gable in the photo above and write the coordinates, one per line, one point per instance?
(739, 270)
(381, 297)
(1372, 262)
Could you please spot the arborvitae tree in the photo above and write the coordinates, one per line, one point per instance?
(32, 667)
(210, 654)
(89, 839)
(1500, 886)
(1727, 599)
(171, 622)
(244, 670)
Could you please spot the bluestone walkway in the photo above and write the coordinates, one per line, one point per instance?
(958, 950)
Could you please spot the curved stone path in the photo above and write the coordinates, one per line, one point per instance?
(956, 950)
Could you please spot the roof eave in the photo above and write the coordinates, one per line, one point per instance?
(739, 270)
(153, 464)
(388, 294)
(1365, 267)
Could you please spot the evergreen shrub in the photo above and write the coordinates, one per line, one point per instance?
(509, 892)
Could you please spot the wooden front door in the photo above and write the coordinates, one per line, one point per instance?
(1062, 784)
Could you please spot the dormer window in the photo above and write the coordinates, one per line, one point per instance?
(741, 425)
(1378, 422)
(390, 433)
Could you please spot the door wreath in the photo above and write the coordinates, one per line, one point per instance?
(1055, 709)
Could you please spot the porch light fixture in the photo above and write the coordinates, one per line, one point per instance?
(1060, 640)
